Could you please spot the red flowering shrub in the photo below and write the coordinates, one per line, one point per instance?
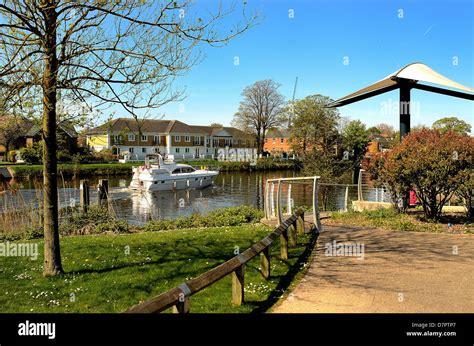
(433, 164)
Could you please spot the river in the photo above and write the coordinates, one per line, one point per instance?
(229, 189)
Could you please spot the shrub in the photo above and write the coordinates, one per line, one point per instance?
(432, 163)
(117, 226)
(105, 155)
(63, 156)
(11, 156)
(232, 216)
(32, 155)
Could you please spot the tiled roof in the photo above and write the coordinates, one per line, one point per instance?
(67, 128)
(165, 126)
(278, 133)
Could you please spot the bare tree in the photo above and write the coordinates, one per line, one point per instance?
(98, 53)
(261, 109)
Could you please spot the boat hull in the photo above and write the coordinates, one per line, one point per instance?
(173, 183)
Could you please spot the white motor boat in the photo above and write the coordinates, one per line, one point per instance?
(158, 175)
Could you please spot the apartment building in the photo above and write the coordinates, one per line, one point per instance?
(166, 137)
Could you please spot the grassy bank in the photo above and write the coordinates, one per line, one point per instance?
(99, 220)
(79, 170)
(102, 276)
(123, 169)
(412, 221)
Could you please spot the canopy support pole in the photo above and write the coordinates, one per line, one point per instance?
(404, 110)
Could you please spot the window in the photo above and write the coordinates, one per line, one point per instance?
(183, 170)
(266, 140)
(208, 141)
(143, 150)
(177, 138)
(144, 138)
(176, 150)
(156, 139)
(228, 142)
(215, 142)
(197, 140)
(156, 150)
(236, 141)
(274, 140)
(186, 150)
(130, 150)
(281, 141)
(131, 138)
(187, 138)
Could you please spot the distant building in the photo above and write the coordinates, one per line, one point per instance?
(66, 136)
(277, 143)
(28, 132)
(167, 137)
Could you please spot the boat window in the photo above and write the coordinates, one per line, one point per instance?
(177, 170)
(187, 169)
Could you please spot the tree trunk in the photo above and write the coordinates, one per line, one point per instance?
(259, 144)
(52, 255)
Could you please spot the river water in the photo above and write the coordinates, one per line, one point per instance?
(229, 189)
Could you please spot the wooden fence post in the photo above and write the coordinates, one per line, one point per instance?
(265, 262)
(182, 307)
(284, 245)
(84, 198)
(300, 224)
(103, 190)
(292, 238)
(238, 285)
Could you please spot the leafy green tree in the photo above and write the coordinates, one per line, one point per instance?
(452, 124)
(355, 140)
(374, 131)
(11, 126)
(314, 127)
(315, 138)
(432, 163)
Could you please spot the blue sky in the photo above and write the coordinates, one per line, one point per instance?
(313, 46)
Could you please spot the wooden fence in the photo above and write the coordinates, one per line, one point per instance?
(178, 297)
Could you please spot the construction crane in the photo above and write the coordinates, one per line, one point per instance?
(292, 104)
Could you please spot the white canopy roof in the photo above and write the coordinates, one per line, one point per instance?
(415, 72)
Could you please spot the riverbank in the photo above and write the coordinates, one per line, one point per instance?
(23, 171)
(109, 273)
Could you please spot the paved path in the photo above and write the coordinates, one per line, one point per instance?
(400, 272)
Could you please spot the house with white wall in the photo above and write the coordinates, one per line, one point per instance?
(127, 136)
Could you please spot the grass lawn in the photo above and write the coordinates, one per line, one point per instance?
(411, 221)
(101, 277)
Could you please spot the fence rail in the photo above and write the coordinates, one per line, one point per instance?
(178, 297)
(270, 208)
